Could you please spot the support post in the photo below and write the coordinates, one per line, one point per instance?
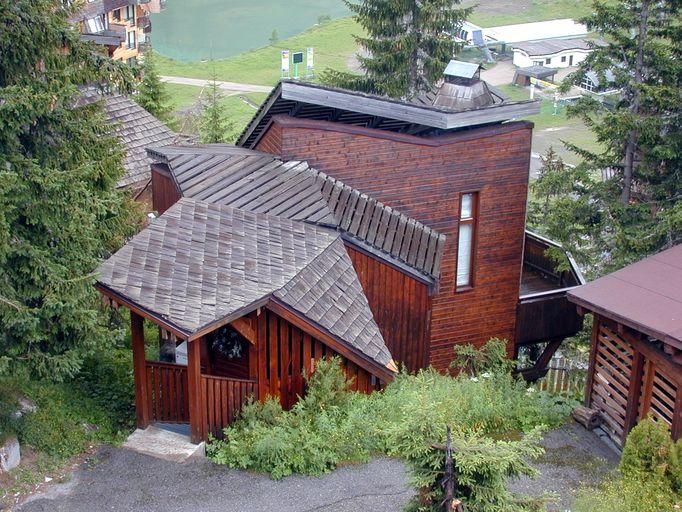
(194, 390)
(635, 391)
(139, 370)
(594, 339)
(677, 416)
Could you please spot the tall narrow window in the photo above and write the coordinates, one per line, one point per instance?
(468, 206)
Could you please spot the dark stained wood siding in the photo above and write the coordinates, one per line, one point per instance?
(630, 378)
(423, 178)
(164, 192)
(400, 305)
(285, 353)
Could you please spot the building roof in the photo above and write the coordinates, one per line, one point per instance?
(646, 296)
(91, 9)
(536, 71)
(105, 38)
(313, 101)
(539, 30)
(552, 46)
(201, 265)
(261, 183)
(461, 69)
(137, 129)
(465, 97)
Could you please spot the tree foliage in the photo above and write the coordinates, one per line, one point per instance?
(636, 210)
(214, 125)
(151, 91)
(409, 43)
(60, 211)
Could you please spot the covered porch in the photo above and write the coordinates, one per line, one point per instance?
(245, 304)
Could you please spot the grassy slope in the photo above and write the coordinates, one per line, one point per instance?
(492, 13)
(333, 43)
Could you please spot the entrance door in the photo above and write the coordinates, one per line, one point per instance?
(570, 60)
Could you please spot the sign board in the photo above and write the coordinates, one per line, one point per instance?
(298, 57)
(311, 58)
(542, 83)
(285, 63)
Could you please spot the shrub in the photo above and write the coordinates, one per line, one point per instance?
(330, 426)
(107, 378)
(491, 358)
(649, 477)
(66, 420)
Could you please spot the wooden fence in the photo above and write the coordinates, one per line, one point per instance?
(221, 401)
(167, 392)
(566, 376)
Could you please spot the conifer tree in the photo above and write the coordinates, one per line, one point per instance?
(214, 125)
(60, 211)
(151, 91)
(639, 209)
(409, 43)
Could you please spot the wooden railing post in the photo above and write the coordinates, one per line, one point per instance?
(139, 370)
(194, 390)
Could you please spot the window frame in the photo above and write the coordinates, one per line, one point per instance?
(134, 38)
(473, 222)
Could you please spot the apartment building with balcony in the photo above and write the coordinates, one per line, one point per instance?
(122, 26)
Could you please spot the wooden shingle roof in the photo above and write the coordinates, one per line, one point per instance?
(260, 182)
(201, 265)
(137, 130)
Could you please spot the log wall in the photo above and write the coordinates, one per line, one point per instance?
(400, 305)
(424, 178)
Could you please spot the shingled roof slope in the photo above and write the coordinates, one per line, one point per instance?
(137, 130)
(201, 265)
(260, 182)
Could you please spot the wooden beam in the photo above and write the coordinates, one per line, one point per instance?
(677, 416)
(593, 358)
(139, 370)
(634, 392)
(243, 326)
(120, 299)
(384, 373)
(196, 399)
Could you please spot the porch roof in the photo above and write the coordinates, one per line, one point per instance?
(200, 265)
(260, 182)
(646, 296)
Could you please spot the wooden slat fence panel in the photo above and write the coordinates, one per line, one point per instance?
(221, 400)
(167, 392)
(565, 376)
(659, 392)
(611, 380)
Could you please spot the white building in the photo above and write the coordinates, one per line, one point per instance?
(508, 34)
(551, 53)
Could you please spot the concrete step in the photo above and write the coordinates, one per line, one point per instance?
(163, 444)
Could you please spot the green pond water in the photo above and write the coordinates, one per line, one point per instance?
(191, 30)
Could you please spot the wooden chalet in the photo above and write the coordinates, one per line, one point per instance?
(382, 231)
(636, 358)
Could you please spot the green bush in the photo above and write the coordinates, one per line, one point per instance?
(490, 358)
(331, 426)
(107, 378)
(649, 477)
(66, 420)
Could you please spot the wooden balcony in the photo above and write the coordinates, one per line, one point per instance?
(544, 313)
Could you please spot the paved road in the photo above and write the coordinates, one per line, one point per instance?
(227, 86)
(126, 481)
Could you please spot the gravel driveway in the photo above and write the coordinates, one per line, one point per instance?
(127, 481)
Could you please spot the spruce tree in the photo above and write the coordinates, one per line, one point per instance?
(409, 43)
(214, 125)
(639, 208)
(151, 91)
(60, 211)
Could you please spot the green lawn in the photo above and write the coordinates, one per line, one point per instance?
(333, 42)
(183, 97)
(553, 129)
(492, 13)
